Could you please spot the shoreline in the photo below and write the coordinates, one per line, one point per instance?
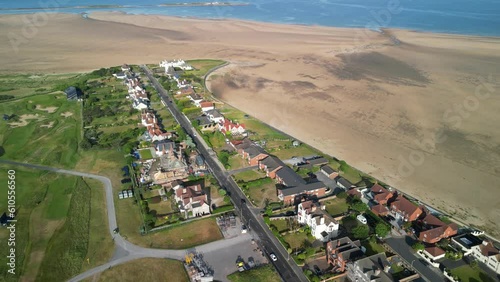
(228, 19)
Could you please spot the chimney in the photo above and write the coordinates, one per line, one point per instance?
(322, 220)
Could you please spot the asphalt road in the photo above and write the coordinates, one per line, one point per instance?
(126, 251)
(427, 272)
(285, 265)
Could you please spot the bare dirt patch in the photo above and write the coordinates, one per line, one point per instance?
(24, 120)
(49, 110)
(67, 114)
(48, 125)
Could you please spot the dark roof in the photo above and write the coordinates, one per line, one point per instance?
(467, 240)
(288, 191)
(373, 267)
(195, 96)
(327, 169)
(344, 182)
(254, 151)
(318, 161)
(203, 120)
(290, 177)
(272, 163)
(73, 93)
(214, 113)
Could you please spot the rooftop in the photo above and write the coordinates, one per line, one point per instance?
(288, 191)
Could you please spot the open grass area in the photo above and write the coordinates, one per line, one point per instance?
(146, 269)
(43, 129)
(259, 194)
(336, 206)
(203, 66)
(146, 154)
(299, 151)
(249, 175)
(296, 240)
(23, 85)
(372, 247)
(183, 236)
(466, 273)
(281, 225)
(54, 210)
(236, 162)
(264, 273)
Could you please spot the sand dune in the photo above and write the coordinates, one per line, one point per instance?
(388, 109)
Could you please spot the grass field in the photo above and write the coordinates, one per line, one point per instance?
(259, 194)
(280, 224)
(468, 274)
(146, 269)
(264, 273)
(296, 240)
(47, 130)
(183, 236)
(24, 85)
(249, 175)
(203, 66)
(146, 154)
(372, 247)
(236, 162)
(52, 209)
(336, 206)
(300, 151)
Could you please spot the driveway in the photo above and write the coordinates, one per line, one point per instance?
(404, 250)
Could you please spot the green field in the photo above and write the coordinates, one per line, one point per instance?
(249, 175)
(146, 154)
(466, 273)
(146, 269)
(203, 66)
(54, 212)
(264, 273)
(25, 85)
(336, 206)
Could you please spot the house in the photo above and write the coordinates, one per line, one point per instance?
(180, 64)
(341, 251)
(354, 193)
(120, 75)
(323, 227)
(234, 128)
(140, 104)
(370, 269)
(253, 154)
(73, 93)
(215, 116)
(405, 210)
(466, 242)
(344, 183)
(292, 195)
(271, 165)
(154, 133)
(186, 91)
(196, 99)
(192, 200)
(434, 253)
(317, 161)
(165, 147)
(380, 194)
(329, 171)
(288, 177)
(488, 254)
(125, 68)
(207, 106)
(148, 118)
(380, 210)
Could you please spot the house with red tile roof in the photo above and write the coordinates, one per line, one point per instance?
(148, 118)
(405, 210)
(253, 154)
(434, 235)
(380, 210)
(191, 200)
(380, 194)
(234, 128)
(206, 106)
(434, 253)
(487, 253)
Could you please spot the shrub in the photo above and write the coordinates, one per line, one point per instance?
(418, 246)
(361, 232)
(381, 230)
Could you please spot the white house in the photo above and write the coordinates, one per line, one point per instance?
(488, 254)
(206, 106)
(175, 64)
(196, 99)
(323, 227)
(120, 75)
(191, 200)
(140, 105)
(234, 128)
(148, 118)
(215, 116)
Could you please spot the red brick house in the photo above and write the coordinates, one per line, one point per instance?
(253, 154)
(293, 195)
(341, 251)
(434, 235)
(405, 209)
(380, 210)
(380, 194)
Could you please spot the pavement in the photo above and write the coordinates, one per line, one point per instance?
(404, 250)
(287, 268)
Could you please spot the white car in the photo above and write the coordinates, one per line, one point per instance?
(273, 256)
(361, 219)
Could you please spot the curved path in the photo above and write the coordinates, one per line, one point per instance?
(126, 251)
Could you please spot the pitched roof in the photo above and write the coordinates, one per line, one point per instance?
(487, 249)
(206, 104)
(214, 113)
(429, 219)
(318, 161)
(404, 205)
(290, 177)
(377, 189)
(346, 247)
(288, 191)
(437, 233)
(344, 182)
(272, 163)
(254, 151)
(435, 251)
(379, 209)
(327, 169)
(73, 93)
(373, 267)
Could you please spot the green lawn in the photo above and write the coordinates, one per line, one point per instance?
(372, 247)
(236, 162)
(146, 269)
(249, 175)
(336, 206)
(300, 151)
(296, 240)
(259, 194)
(146, 154)
(23, 85)
(264, 273)
(281, 225)
(203, 66)
(183, 236)
(467, 273)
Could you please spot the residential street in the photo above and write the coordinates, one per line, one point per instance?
(288, 270)
(427, 272)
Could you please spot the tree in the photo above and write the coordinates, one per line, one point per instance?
(2, 151)
(418, 246)
(381, 230)
(359, 206)
(361, 232)
(222, 192)
(85, 144)
(342, 195)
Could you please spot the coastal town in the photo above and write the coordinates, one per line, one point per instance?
(332, 228)
(195, 164)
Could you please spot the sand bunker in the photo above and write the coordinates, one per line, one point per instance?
(49, 110)
(24, 120)
(49, 125)
(67, 114)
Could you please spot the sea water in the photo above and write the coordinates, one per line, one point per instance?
(479, 17)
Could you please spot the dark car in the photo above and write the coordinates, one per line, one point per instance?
(243, 201)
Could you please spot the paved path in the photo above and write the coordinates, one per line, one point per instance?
(234, 171)
(126, 251)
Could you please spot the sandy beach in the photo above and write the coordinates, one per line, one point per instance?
(419, 113)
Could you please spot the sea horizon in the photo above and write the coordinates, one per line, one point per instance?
(459, 17)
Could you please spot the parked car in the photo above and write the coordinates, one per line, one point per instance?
(273, 256)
